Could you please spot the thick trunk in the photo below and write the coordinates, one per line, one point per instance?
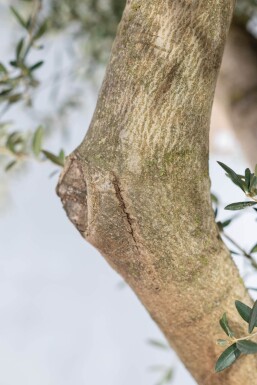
(137, 188)
(236, 91)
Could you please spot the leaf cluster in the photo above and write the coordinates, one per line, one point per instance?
(237, 346)
(247, 183)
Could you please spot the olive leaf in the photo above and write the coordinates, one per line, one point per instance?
(247, 347)
(225, 326)
(233, 176)
(253, 318)
(227, 358)
(240, 205)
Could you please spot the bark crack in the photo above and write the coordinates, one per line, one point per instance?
(118, 193)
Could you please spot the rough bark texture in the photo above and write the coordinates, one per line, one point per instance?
(236, 91)
(137, 188)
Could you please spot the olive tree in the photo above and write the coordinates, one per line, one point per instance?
(138, 189)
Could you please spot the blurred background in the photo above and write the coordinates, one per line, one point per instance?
(65, 317)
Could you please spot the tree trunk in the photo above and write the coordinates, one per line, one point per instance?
(137, 188)
(236, 89)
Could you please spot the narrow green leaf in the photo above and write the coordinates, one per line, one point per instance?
(14, 63)
(62, 156)
(247, 178)
(53, 158)
(19, 17)
(6, 91)
(19, 50)
(247, 347)
(240, 205)
(222, 225)
(15, 98)
(168, 375)
(234, 252)
(253, 183)
(253, 318)
(37, 140)
(158, 344)
(36, 66)
(225, 326)
(243, 310)
(13, 140)
(255, 170)
(41, 30)
(254, 249)
(227, 358)
(233, 176)
(214, 198)
(3, 69)
(10, 165)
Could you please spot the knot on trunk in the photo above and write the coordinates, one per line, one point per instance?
(72, 189)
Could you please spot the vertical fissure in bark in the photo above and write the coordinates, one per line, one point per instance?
(118, 192)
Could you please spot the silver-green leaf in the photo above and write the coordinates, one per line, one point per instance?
(240, 205)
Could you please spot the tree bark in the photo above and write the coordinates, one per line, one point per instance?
(137, 188)
(236, 89)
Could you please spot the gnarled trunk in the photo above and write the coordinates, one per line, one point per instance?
(137, 188)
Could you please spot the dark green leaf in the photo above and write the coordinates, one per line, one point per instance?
(233, 176)
(234, 252)
(222, 225)
(10, 165)
(14, 63)
(6, 92)
(247, 347)
(15, 98)
(214, 198)
(247, 178)
(227, 358)
(53, 158)
(254, 249)
(37, 140)
(19, 17)
(253, 183)
(3, 69)
(240, 205)
(19, 49)
(253, 318)
(36, 66)
(225, 326)
(243, 310)
(41, 30)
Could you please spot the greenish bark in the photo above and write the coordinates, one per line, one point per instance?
(137, 188)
